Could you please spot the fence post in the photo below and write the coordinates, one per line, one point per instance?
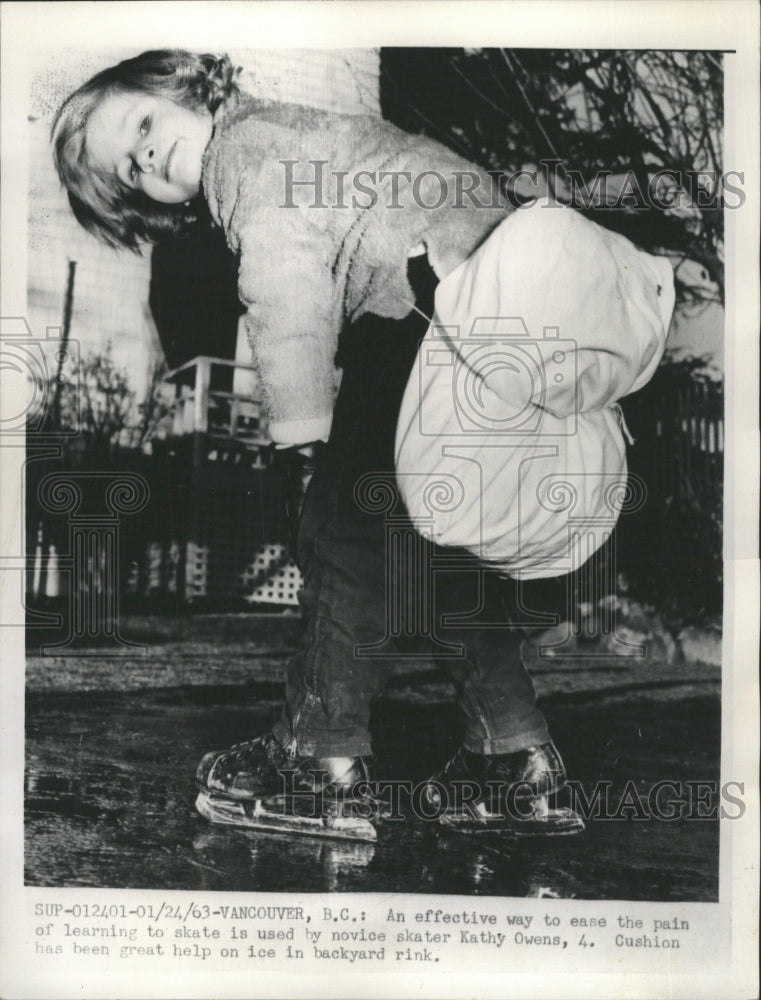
(201, 408)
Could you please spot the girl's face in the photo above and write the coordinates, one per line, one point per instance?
(150, 143)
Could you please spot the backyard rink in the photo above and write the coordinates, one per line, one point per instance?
(109, 803)
(112, 746)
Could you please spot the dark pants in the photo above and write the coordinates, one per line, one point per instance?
(375, 591)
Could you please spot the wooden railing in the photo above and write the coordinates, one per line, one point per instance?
(206, 402)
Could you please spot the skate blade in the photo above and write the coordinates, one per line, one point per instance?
(546, 823)
(256, 816)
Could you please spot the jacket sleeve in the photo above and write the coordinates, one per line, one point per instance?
(293, 315)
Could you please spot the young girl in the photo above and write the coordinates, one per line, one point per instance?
(343, 225)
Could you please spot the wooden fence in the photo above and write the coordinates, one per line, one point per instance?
(679, 443)
(214, 526)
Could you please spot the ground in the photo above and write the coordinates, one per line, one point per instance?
(112, 745)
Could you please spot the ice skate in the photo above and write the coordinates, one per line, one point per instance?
(511, 794)
(261, 785)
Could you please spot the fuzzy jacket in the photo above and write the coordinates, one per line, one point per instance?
(322, 243)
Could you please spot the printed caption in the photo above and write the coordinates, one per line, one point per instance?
(237, 932)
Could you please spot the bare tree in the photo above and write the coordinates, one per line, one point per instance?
(630, 114)
(100, 404)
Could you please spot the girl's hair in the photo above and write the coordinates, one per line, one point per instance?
(107, 208)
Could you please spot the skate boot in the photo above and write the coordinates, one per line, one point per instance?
(502, 793)
(263, 785)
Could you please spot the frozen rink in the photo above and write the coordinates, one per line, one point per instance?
(112, 746)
